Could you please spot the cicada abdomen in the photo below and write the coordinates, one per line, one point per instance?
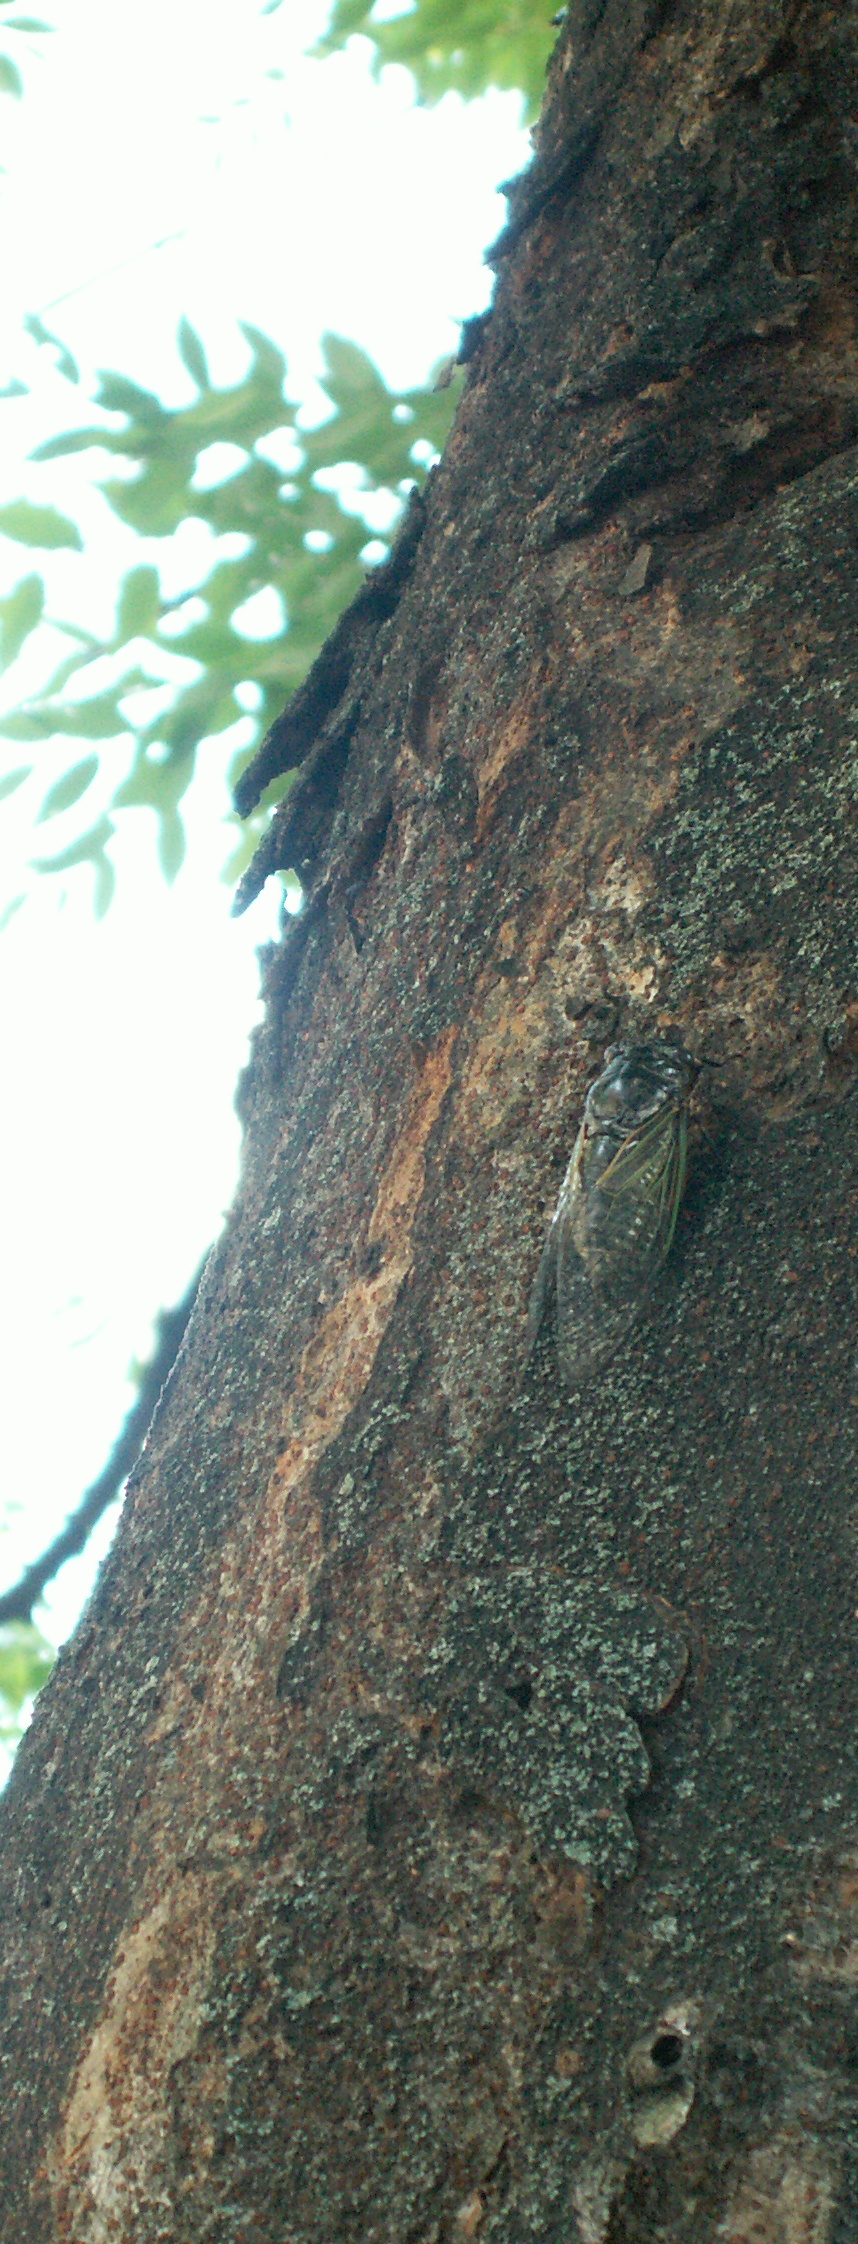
(616, 1215)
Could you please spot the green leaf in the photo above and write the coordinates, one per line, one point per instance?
(158, 781)
(38, 525)
(104, 885)
(268, 362)
(13, 388)
(41, 334)
(96, 719)
(87, 847)
(25, 1664)
(26, 23)
(19, 614)
(347, 16)
(100, 718)
(138, 607)
(237, 415)
(171, 845)
(350, 373)
(11, 81)
(459, 45)
(78, 440)
(156, 502)
(117, 395)
(68, 789)
(9, 910)
(364, 428)
(26, 724)
(12, 779)
(204, 708)
(192, 354)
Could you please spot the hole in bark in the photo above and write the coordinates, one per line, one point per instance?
(522, 1693)
(666, 2051)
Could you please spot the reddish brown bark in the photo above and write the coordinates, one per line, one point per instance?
(445, 1821)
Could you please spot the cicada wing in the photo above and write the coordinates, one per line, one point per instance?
(674, 1184)
(591, 1326)
(546, 1276)
(541, 1288)
(643, 1188)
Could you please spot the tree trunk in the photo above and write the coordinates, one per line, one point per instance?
(444, 1823)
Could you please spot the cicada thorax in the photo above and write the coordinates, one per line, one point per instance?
(619, 1201)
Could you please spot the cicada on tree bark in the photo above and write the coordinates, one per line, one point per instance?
(616, 1215)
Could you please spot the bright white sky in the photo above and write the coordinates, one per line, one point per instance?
(301, 196)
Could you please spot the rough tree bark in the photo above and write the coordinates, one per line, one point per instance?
(445, 1820)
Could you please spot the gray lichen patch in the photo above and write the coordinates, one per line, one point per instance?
(534, 1679)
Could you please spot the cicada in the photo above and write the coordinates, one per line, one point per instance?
(616, 1214)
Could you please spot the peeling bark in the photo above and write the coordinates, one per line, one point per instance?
(444, 1821)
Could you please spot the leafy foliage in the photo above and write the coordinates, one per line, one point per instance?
(289, 528)
(11, 81)
(295, 531)
(25, 1664)
(464, 44)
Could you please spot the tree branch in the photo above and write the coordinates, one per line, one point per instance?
(17, 1603)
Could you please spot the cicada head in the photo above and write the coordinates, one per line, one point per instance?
(638, 1081)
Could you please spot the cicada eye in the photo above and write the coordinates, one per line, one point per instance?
(608, 1099)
